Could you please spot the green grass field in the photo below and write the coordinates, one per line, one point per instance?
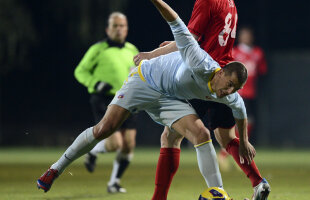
(288, 173)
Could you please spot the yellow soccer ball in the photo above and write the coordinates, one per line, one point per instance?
(214, 193)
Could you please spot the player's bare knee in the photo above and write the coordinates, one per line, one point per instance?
(164, 140)
(117, 145)
(103, 130)
(224, 136)
(128, 150)
(202, 135)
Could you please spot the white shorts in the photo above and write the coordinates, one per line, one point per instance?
(136, 95)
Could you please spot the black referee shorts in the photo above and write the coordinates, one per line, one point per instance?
(99, 104)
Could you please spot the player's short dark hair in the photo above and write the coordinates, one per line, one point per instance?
(239, 69)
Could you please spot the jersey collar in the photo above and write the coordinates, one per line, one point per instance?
(111, 43)
(212, 75)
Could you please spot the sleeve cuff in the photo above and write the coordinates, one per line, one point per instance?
(175, 22)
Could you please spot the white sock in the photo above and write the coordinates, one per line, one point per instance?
(81, 145)
(99, 148)
(208, 164)
(114, 172)
(116, 165)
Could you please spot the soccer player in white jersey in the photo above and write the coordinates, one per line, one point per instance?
(213, 24)
(160, 86)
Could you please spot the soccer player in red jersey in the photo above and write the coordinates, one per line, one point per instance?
(213, 24)
(254, 59)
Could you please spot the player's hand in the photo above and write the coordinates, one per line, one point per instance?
(246, 152)
(141, 56)
(165, 43)
(102, 87)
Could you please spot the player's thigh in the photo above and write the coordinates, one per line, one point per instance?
(111, 121)
(170, 138)
(192, 128)
(224, 135)
(135, 94)
(166, 110)
(180, 116)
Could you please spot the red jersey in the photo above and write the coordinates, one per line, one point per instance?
(254, 60)
(215, 23)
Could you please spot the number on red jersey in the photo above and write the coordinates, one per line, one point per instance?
(224, 35)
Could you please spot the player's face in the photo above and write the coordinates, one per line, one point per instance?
(246, 37)
(226, 84)
(117, 29)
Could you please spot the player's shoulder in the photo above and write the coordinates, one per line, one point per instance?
(102, 44)
(258, 49)
(206, 3)
(236, 49)
(223, 4)
(131, 47)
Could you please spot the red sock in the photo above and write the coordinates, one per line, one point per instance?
(250, 170)
(167, 166)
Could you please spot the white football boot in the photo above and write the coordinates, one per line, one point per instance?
(116, 188)
(261, 191)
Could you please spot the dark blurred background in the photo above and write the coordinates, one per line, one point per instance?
(41, 43)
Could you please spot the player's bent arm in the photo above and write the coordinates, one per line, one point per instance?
(242, 129)
(165, 10)
(83, 71)
(190, 51)
(171, 47)
(236, 103)
(246, 150)
(155, 53)
(164, 48)
(169, 15)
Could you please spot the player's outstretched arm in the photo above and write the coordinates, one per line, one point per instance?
(190, 50)
(165, 10)
(162, 50)
(169, 15)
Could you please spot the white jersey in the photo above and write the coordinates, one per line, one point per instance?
(186, 74)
